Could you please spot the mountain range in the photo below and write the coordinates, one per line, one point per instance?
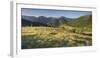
(44, 21)
(82, 21)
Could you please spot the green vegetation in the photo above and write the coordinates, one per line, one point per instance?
(50, 24)
(81, 22)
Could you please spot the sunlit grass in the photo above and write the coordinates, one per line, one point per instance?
(48, 37)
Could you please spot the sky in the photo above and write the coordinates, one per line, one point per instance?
(53, 13)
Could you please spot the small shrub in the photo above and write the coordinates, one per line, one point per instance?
(53, 33)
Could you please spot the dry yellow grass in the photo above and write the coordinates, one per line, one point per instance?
(50, 34)
(49, 30)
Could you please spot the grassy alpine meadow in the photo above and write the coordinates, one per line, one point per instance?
(49, 37)
(49, 28)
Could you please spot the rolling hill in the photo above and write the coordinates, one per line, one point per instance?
(83, 21)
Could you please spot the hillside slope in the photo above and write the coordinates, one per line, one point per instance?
(81, 22)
